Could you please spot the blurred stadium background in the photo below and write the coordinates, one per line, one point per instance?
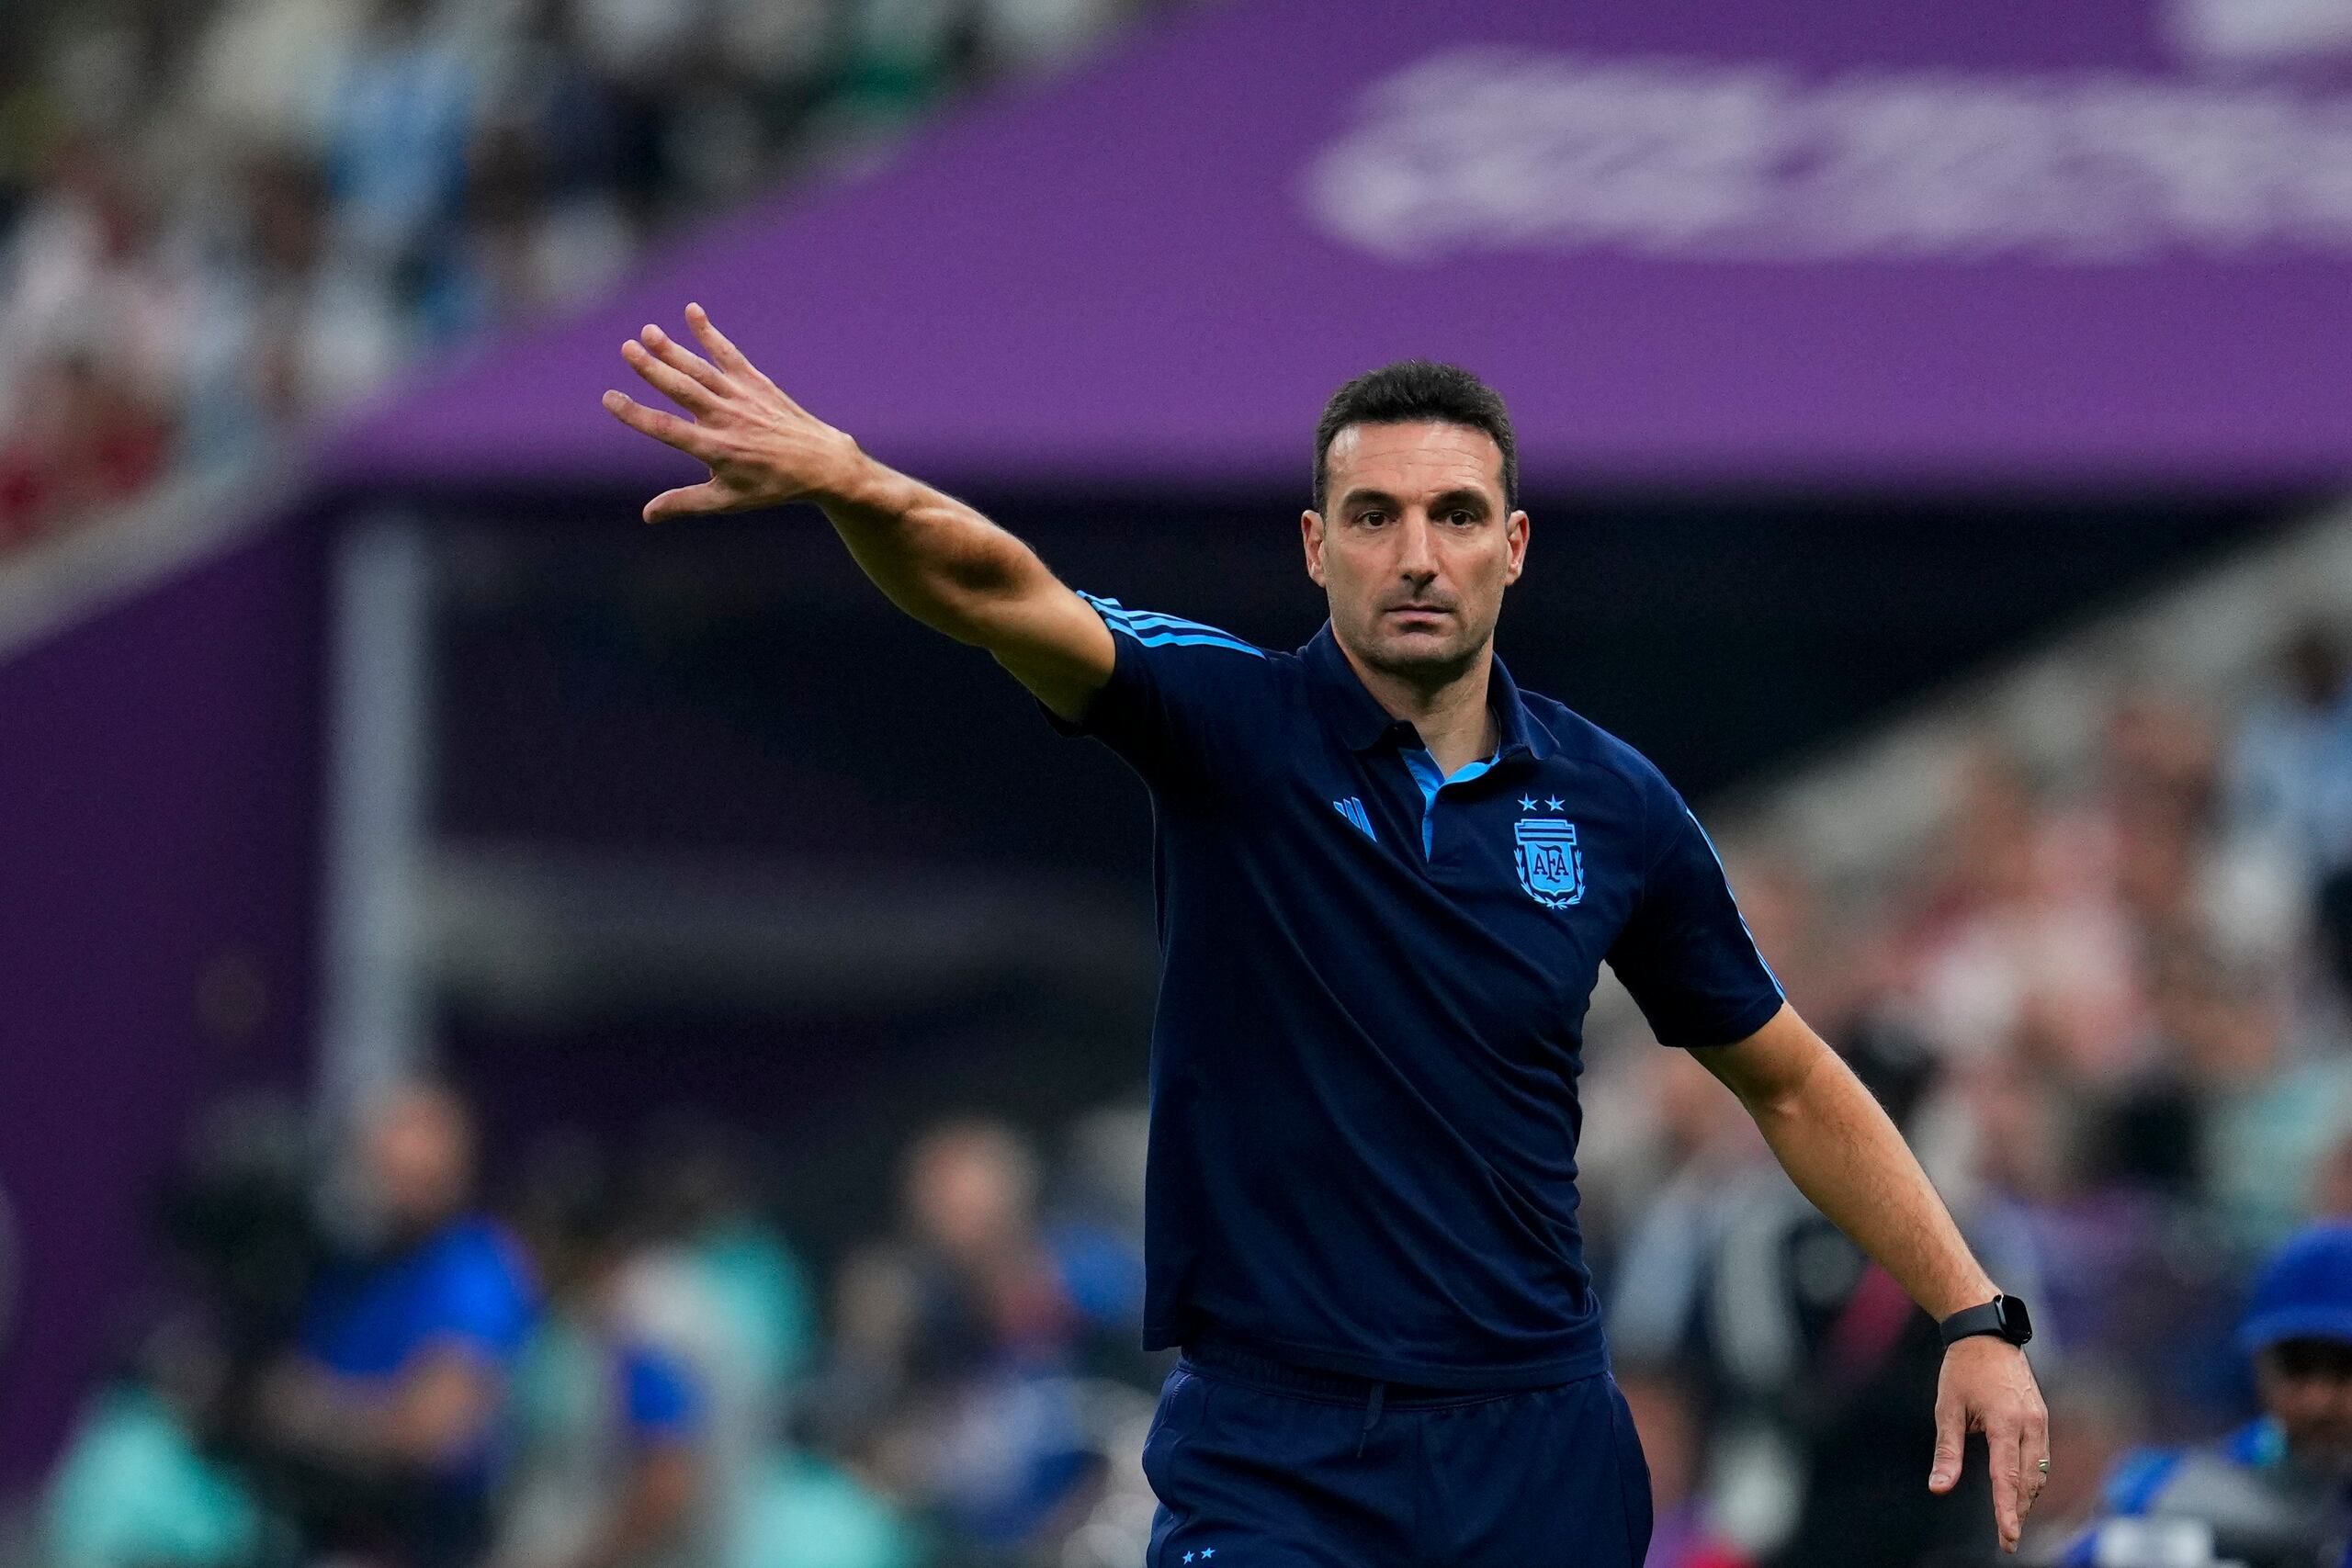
(1936, 425)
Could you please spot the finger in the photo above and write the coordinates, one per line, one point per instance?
(678, 387)
(731, 358)
(692, 501)
(2002, 1450)
(679, 357)
(2031, 1479)
(2037, 1452)
(1944, 1475)
(666, 428)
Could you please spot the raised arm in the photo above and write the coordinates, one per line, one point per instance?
(937, 559)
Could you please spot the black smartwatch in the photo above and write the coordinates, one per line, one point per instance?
(2004, 1316)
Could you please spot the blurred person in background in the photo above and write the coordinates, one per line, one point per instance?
(2277, 1492)
(2020, 941)
(387, 1416)
(608, 1468)
(709, 1287)
(158, 1469)
(1802, 1360)
(697, 1185)
(2263, 1107)
(398, 125)
(2290, 776)
(147, 1478)
(1002, 1452)
(290, 325)
(84, 438)
(1095, 1234)
(951, 1384)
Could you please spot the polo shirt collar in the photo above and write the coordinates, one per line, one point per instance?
(1363, 724)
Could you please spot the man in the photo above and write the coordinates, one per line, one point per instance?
(2279, 1490)
(389, 1409)
(1387, 879)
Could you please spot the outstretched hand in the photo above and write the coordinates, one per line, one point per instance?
(762, 449)
(1987, 1387)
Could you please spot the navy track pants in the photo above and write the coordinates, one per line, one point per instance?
(1260, 1465)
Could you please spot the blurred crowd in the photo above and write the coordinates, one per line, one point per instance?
(2110, 1005)
(619, 1359)
(2112, 1009)
(220, 218)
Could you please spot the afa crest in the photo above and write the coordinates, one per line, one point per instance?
(1551, 866)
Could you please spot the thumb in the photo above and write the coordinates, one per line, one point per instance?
(1950, 1426)
(707, 496)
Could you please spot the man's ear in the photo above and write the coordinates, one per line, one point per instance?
(1517, 525)
(1310, 539)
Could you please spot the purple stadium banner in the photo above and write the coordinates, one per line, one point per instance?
(1859, 241)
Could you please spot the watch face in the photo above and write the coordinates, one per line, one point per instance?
(2017, 1327)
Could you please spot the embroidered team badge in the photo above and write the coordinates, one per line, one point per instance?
(1551, 867)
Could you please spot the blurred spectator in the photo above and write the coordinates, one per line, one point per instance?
(2022, 941)
(397, 129)
(142, 1482)
(157, 1469)
(1096, 1240)
(84, 437)
(611, 1468)
(289, 327)
(959, 1337)
(1809, 1365)
(389, 1413)
(707, 1287)
(2279, 1490)
(2291, 764)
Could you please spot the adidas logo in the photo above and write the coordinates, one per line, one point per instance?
(1352, 809)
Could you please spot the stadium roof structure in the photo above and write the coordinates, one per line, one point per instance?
(1859, 243)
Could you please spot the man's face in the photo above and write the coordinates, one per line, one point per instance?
(416, 1154)
(2307, 1385)
(1416, 546)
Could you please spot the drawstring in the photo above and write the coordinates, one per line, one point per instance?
(1371, 1416)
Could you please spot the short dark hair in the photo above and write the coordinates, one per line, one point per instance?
(1416, 391)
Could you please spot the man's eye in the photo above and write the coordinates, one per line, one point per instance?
(1372, 518)
(1460, 518)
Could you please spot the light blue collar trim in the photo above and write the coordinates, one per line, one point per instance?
(1425, 774)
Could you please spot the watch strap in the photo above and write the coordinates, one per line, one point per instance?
(1969, 1322)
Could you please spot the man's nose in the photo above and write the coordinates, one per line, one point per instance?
(1417, 559)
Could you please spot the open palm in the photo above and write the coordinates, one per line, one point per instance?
(762, 449)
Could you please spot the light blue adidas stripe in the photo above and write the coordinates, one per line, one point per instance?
(1165, 640)
(1142, 620)
(1155, 630)
(1153, 618)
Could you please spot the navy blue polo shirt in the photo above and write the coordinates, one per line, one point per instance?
(1373, 990)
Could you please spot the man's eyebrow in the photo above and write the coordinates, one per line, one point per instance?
(1463, 497)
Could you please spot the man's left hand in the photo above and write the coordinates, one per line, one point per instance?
(1988, 1387)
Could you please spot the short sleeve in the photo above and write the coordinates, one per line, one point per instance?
(1181, 699)
(1685, 953)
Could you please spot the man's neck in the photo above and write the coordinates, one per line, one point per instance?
(1452, 715)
